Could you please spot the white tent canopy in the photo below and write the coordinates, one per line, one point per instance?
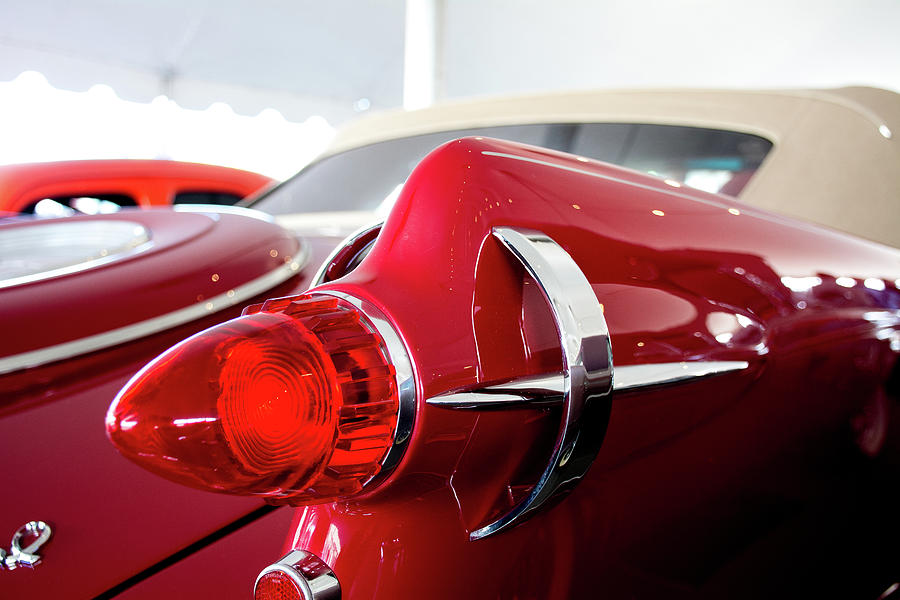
(333, 58)
(252, 56)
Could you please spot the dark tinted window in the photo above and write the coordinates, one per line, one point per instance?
(367, 177)
(601, 141)
(370, 177)
(220, 198)
(91, 204)
(707, 159)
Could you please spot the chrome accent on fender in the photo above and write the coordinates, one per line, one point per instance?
(547, 390)
(398, 356)
(543, 390)
(587, 364)
(43, 250)
(39, 533)
(649, 375)
(319, 277)
(313, 577)
(141, 329)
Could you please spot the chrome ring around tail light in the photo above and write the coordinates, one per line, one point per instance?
(398, 357)
(312, 576)
(587, 368)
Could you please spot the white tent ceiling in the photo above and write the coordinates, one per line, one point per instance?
(307, 58)
(299, 57)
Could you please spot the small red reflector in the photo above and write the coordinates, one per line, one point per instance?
(296, 402)
(276, 585)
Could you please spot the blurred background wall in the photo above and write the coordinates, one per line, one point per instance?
(262, 85)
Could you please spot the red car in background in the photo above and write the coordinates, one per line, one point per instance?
(103, 186)
(542, 376)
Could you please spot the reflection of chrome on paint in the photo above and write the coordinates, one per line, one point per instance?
(42, 251)
(35, 534)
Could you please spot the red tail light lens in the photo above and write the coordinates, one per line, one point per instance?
(299, 575)
(277, 586)
(296, 402)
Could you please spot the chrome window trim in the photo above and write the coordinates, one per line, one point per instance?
(318, 582)
(547, 390)
(100, 341)
(399, 357)
(587, 364)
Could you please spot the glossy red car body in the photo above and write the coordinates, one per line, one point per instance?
(695, 481)
(141, 183)
(686, 473)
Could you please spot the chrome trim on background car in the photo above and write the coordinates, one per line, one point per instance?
(548, 389)
(398, 357)
(141, 329)
(587, 361)
(312, 576)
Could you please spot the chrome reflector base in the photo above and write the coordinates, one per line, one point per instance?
(314, 578)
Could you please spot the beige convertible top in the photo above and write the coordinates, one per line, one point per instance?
(835, 159)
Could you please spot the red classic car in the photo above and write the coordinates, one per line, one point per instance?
(103, 186)
(542, 376)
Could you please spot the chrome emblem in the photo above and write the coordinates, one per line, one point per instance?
(35, 534)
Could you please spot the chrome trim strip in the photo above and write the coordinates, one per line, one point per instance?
(319, 277)
(519, 393)
(312, 575)
(632, 377)
(587, 364)
(404, 374)
(548, 389)
(141, 329)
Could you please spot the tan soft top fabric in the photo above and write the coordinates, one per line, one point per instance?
(835, 160)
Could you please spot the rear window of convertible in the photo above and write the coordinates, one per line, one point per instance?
(370, 177)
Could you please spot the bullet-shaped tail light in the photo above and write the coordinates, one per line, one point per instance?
(301, 400)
